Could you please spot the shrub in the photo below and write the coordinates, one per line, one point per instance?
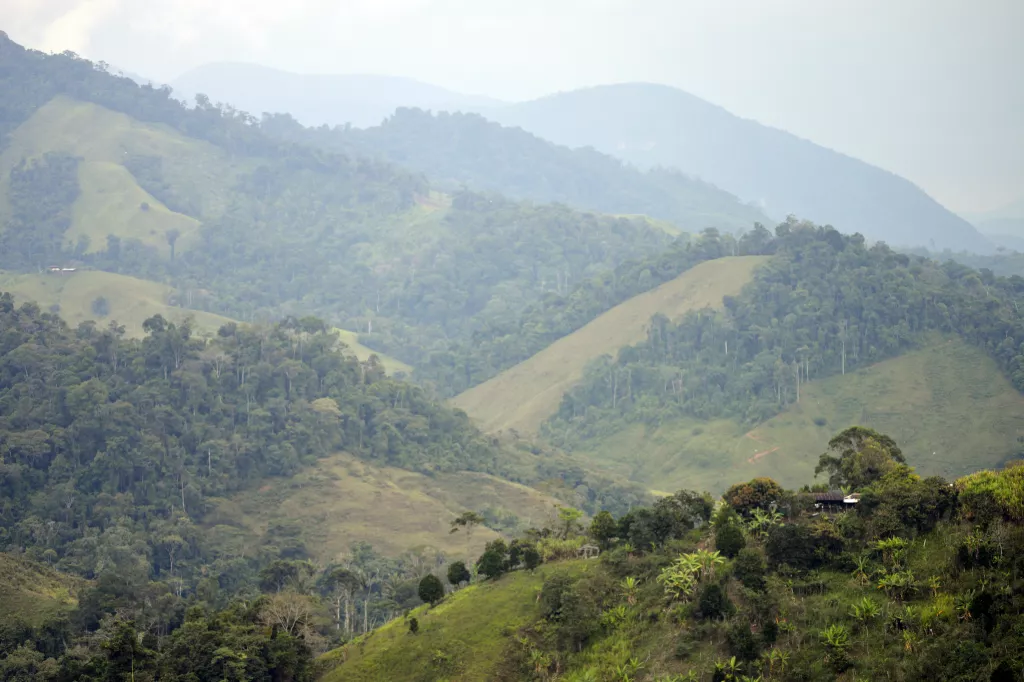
(713, 602)
(431, 590)
(749, 568)
(742, 643)
(414, 626)
(729, 540)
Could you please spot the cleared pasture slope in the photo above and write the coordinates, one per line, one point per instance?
(342, 500)
(523, 396)
(131, 300)
(472, 626)
(947, 405)
(111, 200)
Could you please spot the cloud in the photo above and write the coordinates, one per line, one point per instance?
(73, 29)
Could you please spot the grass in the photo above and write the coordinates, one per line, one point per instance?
(470, 627)
(131, 300)
(947, 405)
(343, 500)
(110, 200)
(32, 593)
(391, 365)
(111, 203)
(522, 397)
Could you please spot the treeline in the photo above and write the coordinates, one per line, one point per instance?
(824, 305)
(459, 150)
(502, 344)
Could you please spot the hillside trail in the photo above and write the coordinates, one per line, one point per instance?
(758, 455)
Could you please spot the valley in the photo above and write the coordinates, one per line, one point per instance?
(445, 398)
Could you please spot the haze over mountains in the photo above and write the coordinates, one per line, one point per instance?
(316, 99)
(646, 125)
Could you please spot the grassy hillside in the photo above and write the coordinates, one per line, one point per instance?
(460, 639)
(342, 500)
(111, 201)
(130, 300)
(33, 593)
(947, 404)
(525, 395)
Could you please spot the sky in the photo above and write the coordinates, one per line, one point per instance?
(930, 89)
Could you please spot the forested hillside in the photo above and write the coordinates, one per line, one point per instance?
(655, 125)
(824, 305)
(261, 228)
(121, 459)
(466, 149)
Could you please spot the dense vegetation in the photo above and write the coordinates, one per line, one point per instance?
(466, 149)
(289, 229)
(919, 581)
(825, 304)
(113, 450)
(506, 342)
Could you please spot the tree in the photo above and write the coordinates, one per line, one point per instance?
(603, 529)
(569, 519)
(414, 625)
(100, 306)
(431, 590)
(759, 493)
(467, 520)
(531, 558)
(172, 238)
(859, 456)
(458, 573)
(493, 562)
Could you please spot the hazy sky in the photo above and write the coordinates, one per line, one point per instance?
(930, 89)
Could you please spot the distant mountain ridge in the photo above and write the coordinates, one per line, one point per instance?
(647, 125)
(315, 99)
(460, 149)
(656, 125)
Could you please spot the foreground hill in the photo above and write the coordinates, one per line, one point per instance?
(466, 149)
(908, 585)
(319, 99)
(522, 397)
(461, 639)
(947, 392)
(653, 125)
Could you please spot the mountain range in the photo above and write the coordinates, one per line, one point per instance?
(646, 125)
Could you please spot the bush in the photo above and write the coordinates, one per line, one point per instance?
(742, 643)
(713, 602)
(749, 568)
(729, 540)
(414, 626)
(431, 590)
